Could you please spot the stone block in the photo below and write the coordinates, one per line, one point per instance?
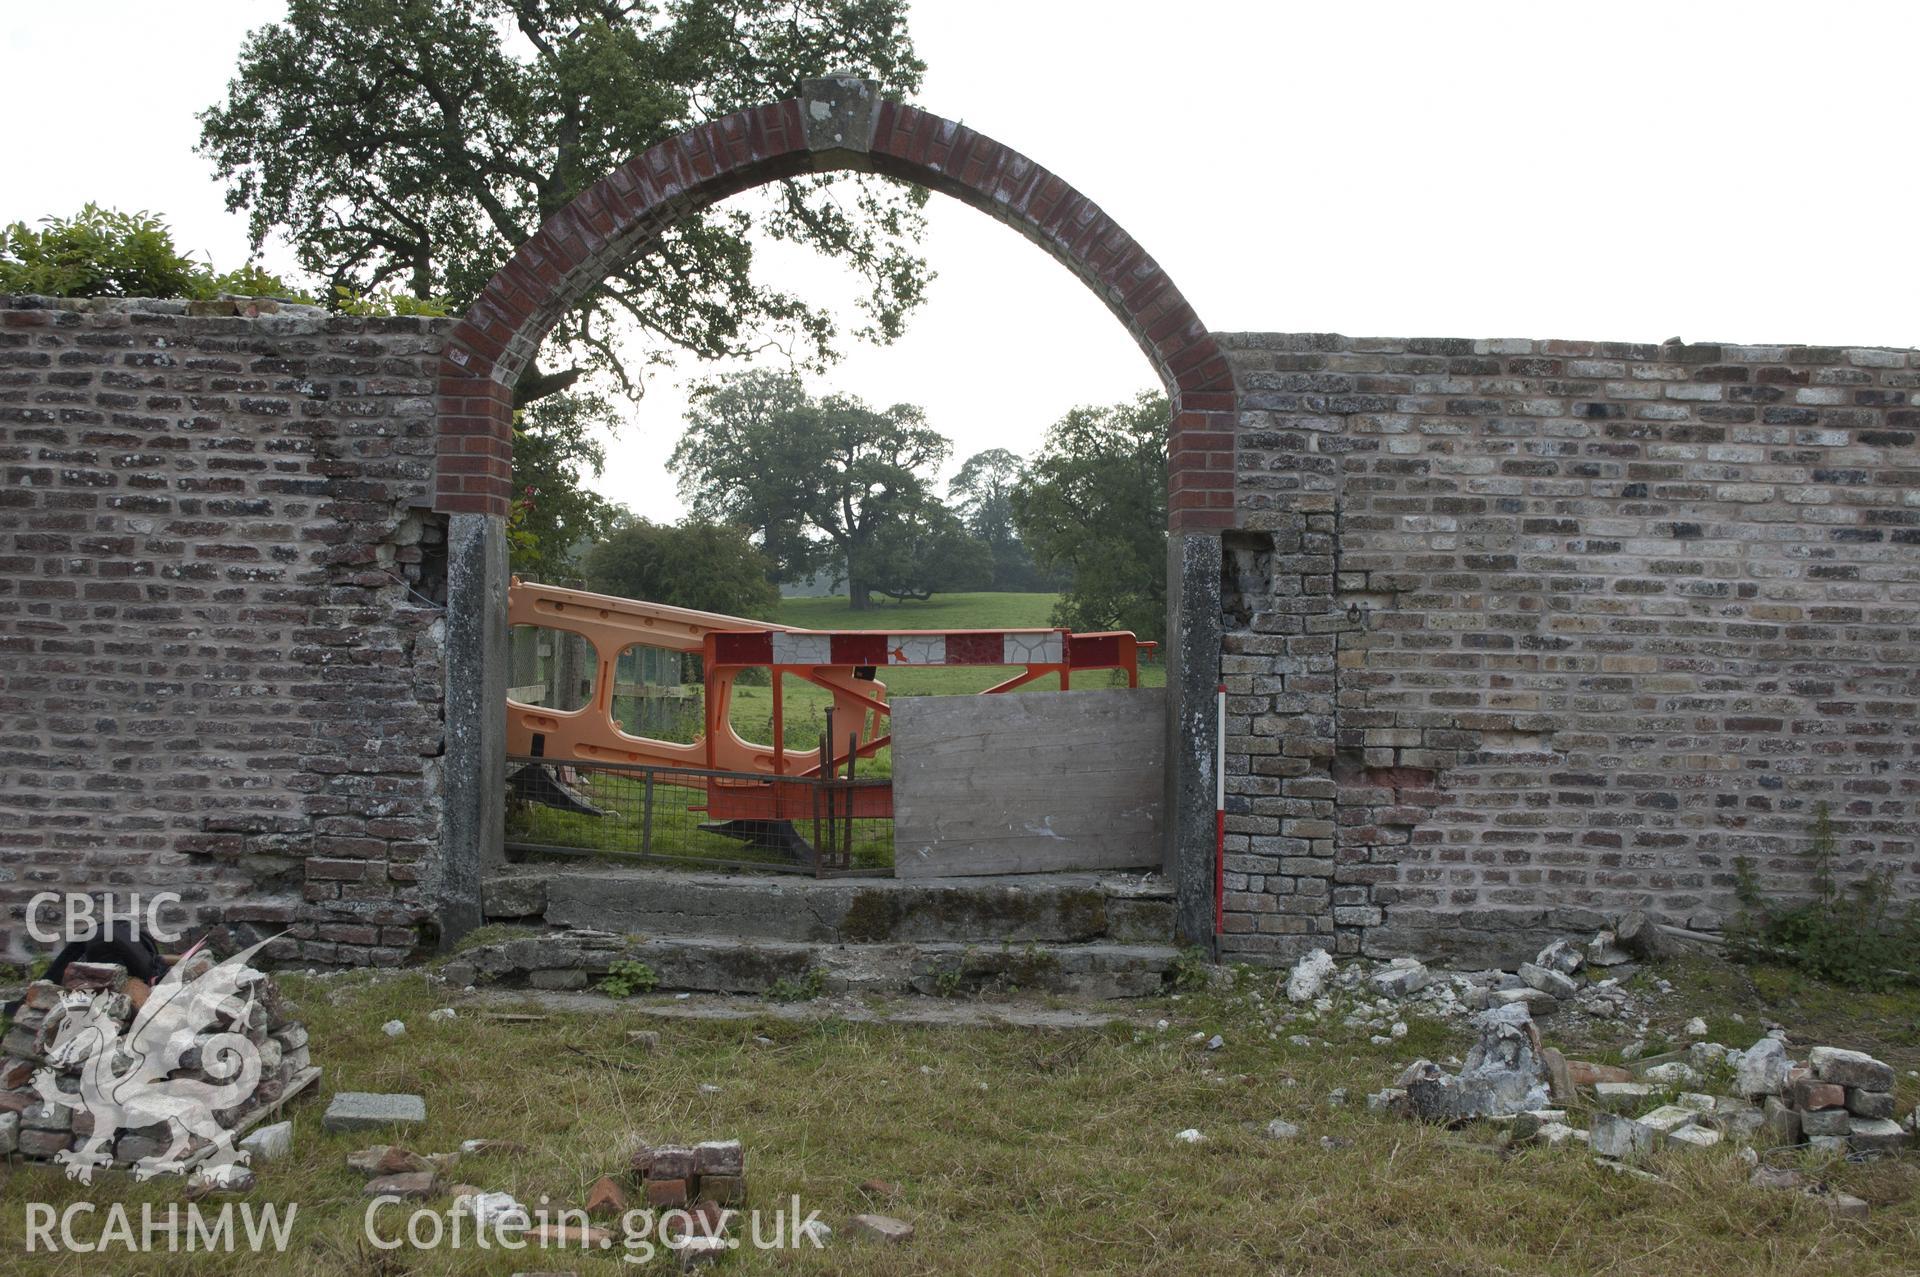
(1762, 1070)
(1810, 1095)
(1641, 936)
(1587, 1073)
(1620, 1138)
(108, 977)
(412, 1184)
(1671, 1073)
(367, 1111)
(1874, 1135)
(719, 1157)
(1563, 956)
(1539, 1003)
(269, 1142)
(41, 1116)
(21, 1043)
(43, 1144)
(672, 1161)
(606, 1199)
(1874, 1104)
(514, 897)
(1845, 1205)
(1622, 1097)
(9, 1133)
(1548, 981)
(664, 1193)
(1402, 978)
(1783, 1121)
(882, 1228)
(1850, 1068)
(1744, 1123)
(727, 1190)
(41, 996)
(1694, 1137)
(1668, 1118)
(1826, 1122)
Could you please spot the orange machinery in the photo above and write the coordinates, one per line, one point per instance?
(844, 663)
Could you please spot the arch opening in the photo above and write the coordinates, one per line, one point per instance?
(836, 123)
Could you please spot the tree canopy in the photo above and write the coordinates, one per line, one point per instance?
(745, 458)
(982, 495)
(711, 567)
(827, 482)
(924, 552)
(1094, 503)
(555, 515)
(418, 143)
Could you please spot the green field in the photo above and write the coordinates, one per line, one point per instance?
(981, 611)
(804, 716)
(806, 704)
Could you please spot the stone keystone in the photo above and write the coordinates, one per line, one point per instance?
(837, 113)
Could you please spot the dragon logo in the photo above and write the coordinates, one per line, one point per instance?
(126, 1082)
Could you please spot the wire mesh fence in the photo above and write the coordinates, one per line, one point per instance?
(690, 816)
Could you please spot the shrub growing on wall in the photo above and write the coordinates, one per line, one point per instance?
(103, 252)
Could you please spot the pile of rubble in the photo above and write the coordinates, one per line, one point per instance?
(1560, 982)
(674, 1174)
(97, 1073)
(1836, 1101)
(696, 1184)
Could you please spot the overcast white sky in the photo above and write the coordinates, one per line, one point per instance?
(1733, 172)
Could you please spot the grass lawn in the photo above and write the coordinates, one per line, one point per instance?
(1027, 1151)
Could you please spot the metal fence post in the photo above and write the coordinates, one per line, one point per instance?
(646, 818)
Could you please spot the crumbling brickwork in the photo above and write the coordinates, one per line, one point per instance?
(1520, 634)
(220, 616)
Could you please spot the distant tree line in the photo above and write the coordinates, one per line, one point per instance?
(828, 484)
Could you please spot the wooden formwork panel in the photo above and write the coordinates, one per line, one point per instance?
(1029, 782)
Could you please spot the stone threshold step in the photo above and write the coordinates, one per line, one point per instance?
(1046, 908)
(725, 964)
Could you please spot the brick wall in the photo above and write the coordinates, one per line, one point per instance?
(1524, 634)
(1517, 635)
(219, 661)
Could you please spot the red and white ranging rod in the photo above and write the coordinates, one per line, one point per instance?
(1220, 816)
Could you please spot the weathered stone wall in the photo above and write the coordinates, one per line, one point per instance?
(1521, 634)
(220, 616)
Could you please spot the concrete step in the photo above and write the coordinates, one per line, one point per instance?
(707, 964)
(1014, 909)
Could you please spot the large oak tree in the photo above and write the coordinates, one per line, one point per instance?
(410, 146)
(1093, 503)
(417, 143)
(829, 483)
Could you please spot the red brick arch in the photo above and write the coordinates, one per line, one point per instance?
(832, 124)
